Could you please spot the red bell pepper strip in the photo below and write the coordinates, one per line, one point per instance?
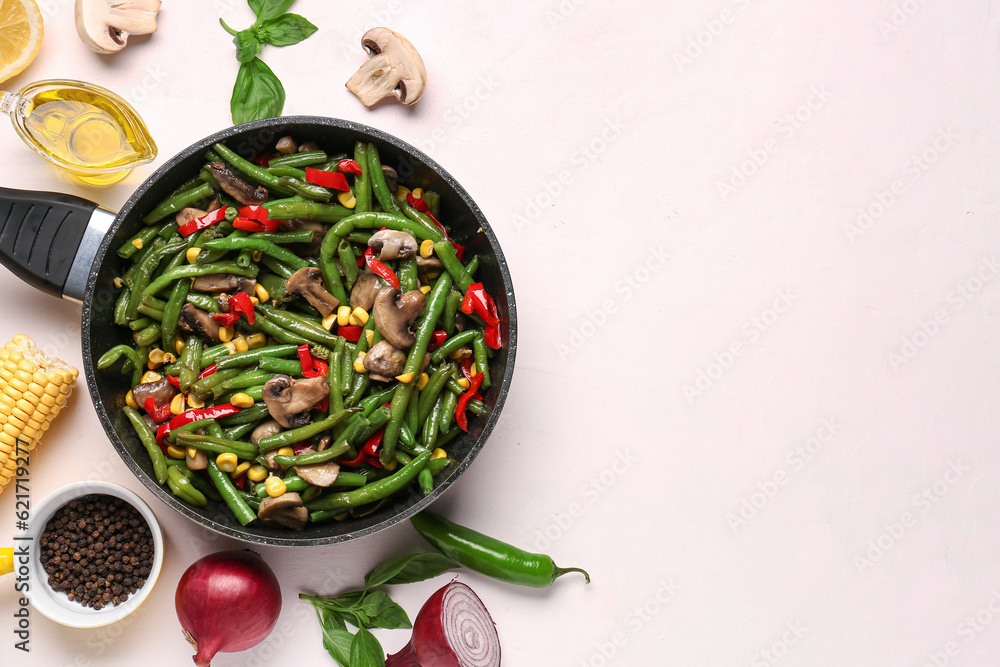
(208, 371)
(174, 380)
(420, 205)
(240, 482)
(226, 319)
(311, 367)
(241, 303)
(349, 167)
(350, 333)
(248, 225)
(464, 399)
(417, 203)
(323, 405)
(374, 443)
(466, 366)
(263, 160)
(436, 339)
(258, 214)
(476, 299)
(207, 220)
(188, 416)
(354, 463)
(379, 268)
(328, 179)
(492, 334)
(159, 414)
(302, 446)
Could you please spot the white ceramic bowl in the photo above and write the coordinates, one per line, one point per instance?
(56, 605)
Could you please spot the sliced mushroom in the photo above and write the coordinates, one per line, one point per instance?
(393, 68)
(104, 25)
(289, 401)
(431, 263)
(319, 474)
(365, 289)
(197, 462)
(307, 282)
(286, 145)
(161, 391)
(236, 187)
(394, 312)
(198, 321)
(215, 283)
(393, 244)
(384, 362)
(287, 510)
(187, 214)
(324, 441)
(308, 147)
(263, 430)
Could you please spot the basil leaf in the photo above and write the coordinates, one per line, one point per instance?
(268, 9)
(366, 651)
(257, 93)
(409, 569)
(247, 45)
(285, 30)
(384, 613)
(338, 644)
(330, 619)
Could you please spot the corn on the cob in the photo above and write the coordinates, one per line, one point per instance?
(33, 389)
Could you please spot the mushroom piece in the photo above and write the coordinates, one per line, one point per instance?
(104, 25)
(289, 401)
(307, 282)
(319, 474)
(365, 289)
(198, 321)
(394, 312)
(286, 145)
(197, 462)
(161, 391)
(393, 244)
(236, 187)
(187, 214)
(431, 263)
(384, 362)
(216, 283)
(393, 68)
(264, 429)
(286, 510)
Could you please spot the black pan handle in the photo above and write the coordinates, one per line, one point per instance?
(49, 239)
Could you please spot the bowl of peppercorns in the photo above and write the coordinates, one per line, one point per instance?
(95, 551)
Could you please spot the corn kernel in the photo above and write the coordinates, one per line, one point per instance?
(358, 318)
(227, 462)
(195, 402)
(241, 344)
(192, 452)
(262, 293)
(401, 192)
(168, 358)
(230, 345)
(285, 451)
(347, 199)
(340, 517)
(464, 383)
(426, 248)
(275, 486)
(418, 193)
(329, 321)
(425, 289)
(155, 358)
(257, 473)
(359, 365)
(256, 340)
(405, 377)
(255, 301)
(439, 453)
(242, 400)
(137, 243)
(472, 369)
(370, 337)
(175, 452)
(130, 400)
(150, 376)
(192, 255)
(226, 334)
(177, 404)
(256, 256)
(240, 469)
(422, 381)
(343, 316)
(117, 282)
(179, 346)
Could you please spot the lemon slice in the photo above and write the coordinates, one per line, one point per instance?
(20, 35)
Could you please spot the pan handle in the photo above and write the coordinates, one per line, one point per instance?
(49, 240)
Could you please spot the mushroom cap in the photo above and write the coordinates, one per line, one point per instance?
(393, 313)
(393, 244)
(393, 67)
(286, 510)
(104, 25)
(365, 289)
(384, 361)
(289, 401)
(307, 282)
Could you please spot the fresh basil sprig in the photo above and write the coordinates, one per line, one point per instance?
(370, 608)
(258, 93)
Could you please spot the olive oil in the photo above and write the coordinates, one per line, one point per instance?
(87, 130)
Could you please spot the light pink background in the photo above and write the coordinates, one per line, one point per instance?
(754, 246)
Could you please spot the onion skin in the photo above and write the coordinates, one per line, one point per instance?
(226, 602)
(429, 646)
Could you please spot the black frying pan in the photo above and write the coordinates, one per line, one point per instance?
(66, 246)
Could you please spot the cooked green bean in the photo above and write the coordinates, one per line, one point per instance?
(241, 510)
(266, 247)
(377, 177)
(254, 356)
(308, 210)
(148, 440)
(178, 201)
(298, 159)
(362, 184)
(372, 491)
(251, 170)
(294, 435)
(452, 344)
(305, 189)
(217, 445)
(194, 270)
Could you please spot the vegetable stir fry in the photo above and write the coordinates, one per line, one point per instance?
(308, 336)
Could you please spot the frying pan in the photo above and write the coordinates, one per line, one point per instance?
(65, 245)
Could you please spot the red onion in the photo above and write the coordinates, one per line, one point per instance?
(453, 629)
(227, 601)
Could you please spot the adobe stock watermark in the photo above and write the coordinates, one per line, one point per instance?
(913, 170)
(967, 631)
(777, 650)
(791, 122)
(920, 504)
(927, 329)
(635, 620)
(456, 115)
(751, 331)
(796, 458)
(900, 15)
(711, 30)
(553, 187)
(626, 287)
(562, 11)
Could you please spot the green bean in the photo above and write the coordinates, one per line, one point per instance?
(362, 183)
(194, 270)
(433, 201)
(212, 255)
(297, 325)
(206, 386)
(397, 410)
(203, 485)
(266, 247)
(149, 311)
(190, 427)
(213, 429)
(148, 440)
(376, 420)
(308, 210)
(348, 262)
(432, 424)
(121, 306)
(410, 416)
(373, 401)
(112, 355)
(426, 481)
(305, 189)
(310, 457)
(147, 268)
(406, 271)
(301, 433)
(336, 403)
(256, 392)
(153, 302)
(172, 311)
(217, 445)
(450, 400)
(293, 484)
(147, 336)
(178, 201)
(145, 236)
(140, 324)
(361, 238)
(278, 267)
(241, 510)
(347, 369)
(327, 265)
(298, 159)
(283, 366)
(432, 390)
(189, 362)
(239, 430)
(250, 170)
(180, 484)
(373, 490)
(251, 379)
(203, 301)
(452, 344)
(420, 218)
(451, 307)
(303, 236)
(392, 220)
(274, 284)
(251, 357)
(446, 253)
(482, 359)
(377, 177)
(278, 333)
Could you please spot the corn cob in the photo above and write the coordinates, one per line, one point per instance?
(33, 389)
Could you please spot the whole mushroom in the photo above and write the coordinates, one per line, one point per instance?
(384, 362)
(393, 68)
(394, 312)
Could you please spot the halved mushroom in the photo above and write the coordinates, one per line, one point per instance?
(307, 282)
(264, 429)
(286, 510)
(289, 401)
(319, 474)
(393, 244)
(198, 321)
(393, 68)
(197, 462)
(187, 214)
(394, 312)
(236, 187)
(161, 391)
(104, 25)
(215, 283)
(384, 361)
(365, 289)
